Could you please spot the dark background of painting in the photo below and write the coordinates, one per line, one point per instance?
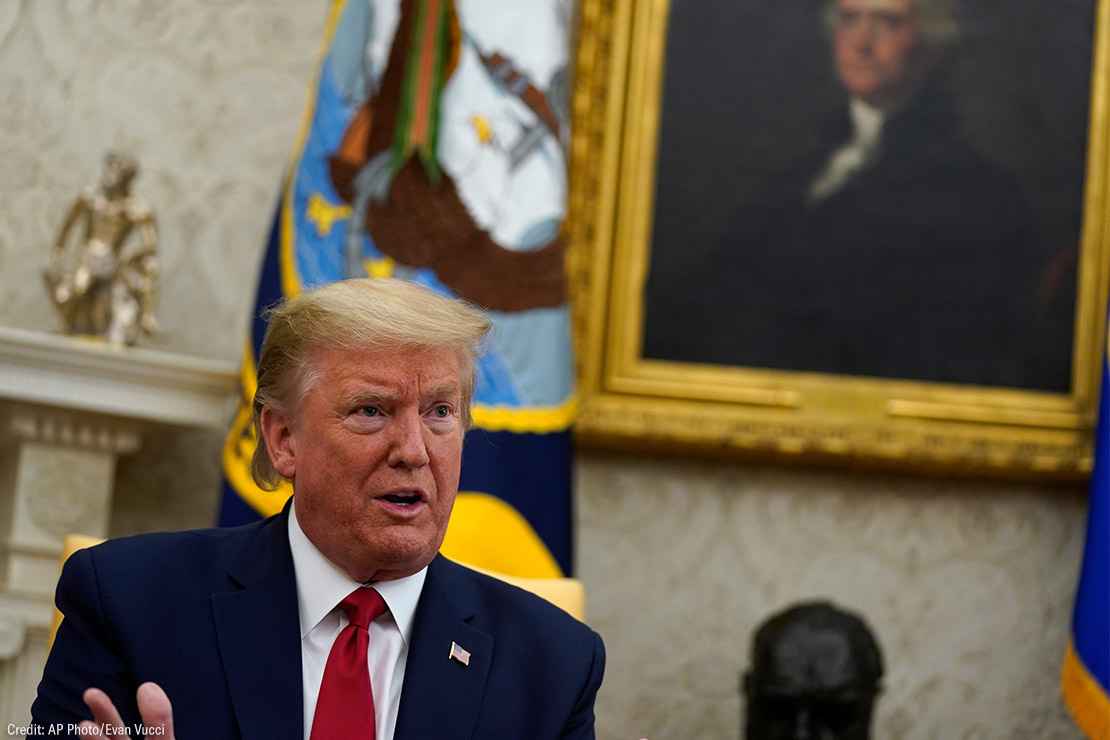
(747, 83)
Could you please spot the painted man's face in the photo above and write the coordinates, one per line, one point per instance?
(876, 45)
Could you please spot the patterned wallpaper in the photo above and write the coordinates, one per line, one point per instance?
(968, 585)
(206, 93)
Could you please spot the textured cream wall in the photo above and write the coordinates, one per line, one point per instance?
(206, 93)
(967, 584)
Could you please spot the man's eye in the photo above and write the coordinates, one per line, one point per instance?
(442, 410)
(890, 21)
(370, 411)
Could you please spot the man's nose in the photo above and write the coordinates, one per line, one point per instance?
(408, 448)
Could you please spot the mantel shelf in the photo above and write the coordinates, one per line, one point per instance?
(129, 382)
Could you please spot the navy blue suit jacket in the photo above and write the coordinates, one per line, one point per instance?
(211, 616)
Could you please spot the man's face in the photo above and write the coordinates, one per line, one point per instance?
(374, 452)
(876, 45)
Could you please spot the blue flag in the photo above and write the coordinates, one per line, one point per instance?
(1085, 677)
(433, 149)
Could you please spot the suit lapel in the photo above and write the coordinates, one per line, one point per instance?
(441, 697)
(258, 630)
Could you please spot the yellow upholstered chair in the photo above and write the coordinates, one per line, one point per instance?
(71, 544)
(488, 535)
(566, 593)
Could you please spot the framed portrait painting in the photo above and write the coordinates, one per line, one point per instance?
(861, 230)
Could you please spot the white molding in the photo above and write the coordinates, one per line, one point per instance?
(33, 610)
(13, 633)
(128, 382)
(81, 429)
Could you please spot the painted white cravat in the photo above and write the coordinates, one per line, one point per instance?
(848, 160)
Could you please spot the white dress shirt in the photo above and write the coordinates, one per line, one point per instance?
(850, 159)
(321, 585)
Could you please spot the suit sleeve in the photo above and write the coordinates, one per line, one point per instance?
(85, 654)
(580, 725)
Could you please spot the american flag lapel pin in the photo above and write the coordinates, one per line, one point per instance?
(459, 654)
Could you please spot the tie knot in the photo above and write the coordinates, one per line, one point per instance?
(363, 606)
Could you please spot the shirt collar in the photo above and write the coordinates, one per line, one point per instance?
(321, 584)
(867, 121)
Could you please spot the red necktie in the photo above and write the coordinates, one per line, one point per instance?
(345, 705)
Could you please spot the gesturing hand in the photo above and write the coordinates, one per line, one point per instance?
(154, 708)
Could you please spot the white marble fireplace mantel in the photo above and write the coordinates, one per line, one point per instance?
(69, 407)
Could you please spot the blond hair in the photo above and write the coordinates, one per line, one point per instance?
(353, 315)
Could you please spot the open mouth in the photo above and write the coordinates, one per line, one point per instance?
(403, 499)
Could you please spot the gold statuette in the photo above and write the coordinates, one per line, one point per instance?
(104, 287)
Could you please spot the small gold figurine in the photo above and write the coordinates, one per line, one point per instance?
(105, 291)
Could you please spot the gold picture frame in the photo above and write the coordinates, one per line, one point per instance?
(656, 405)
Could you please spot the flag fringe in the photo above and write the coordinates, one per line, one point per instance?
(1085, 699)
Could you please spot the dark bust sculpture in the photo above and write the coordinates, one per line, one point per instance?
(815, 674)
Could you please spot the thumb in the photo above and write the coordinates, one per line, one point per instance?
(155, 709)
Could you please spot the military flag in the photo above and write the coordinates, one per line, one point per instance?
(1085, 678)
(433, 149)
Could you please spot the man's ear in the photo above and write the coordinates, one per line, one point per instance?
(278, 434)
